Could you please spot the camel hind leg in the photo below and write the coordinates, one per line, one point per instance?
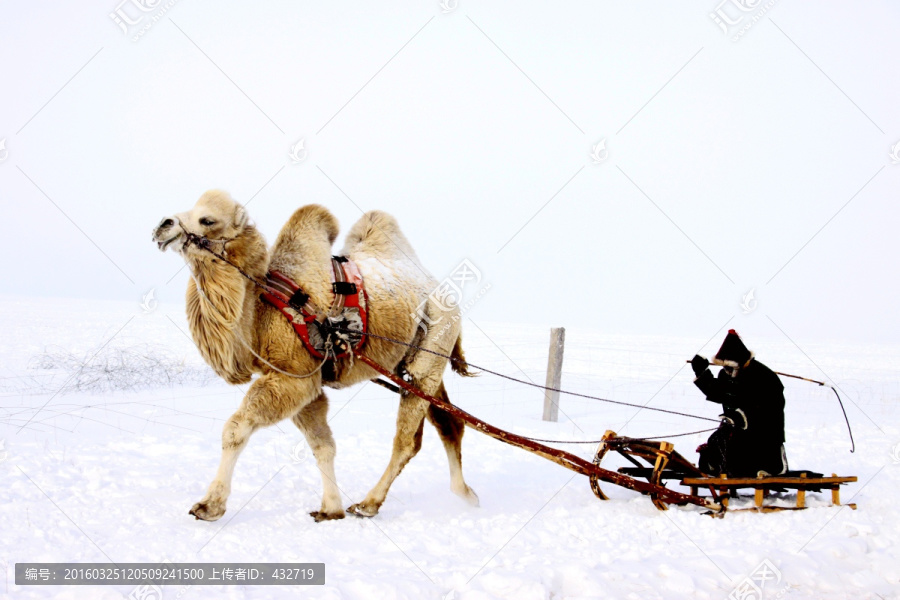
(407, 442)
(451, 429)
(430, 368)
(426, 370)
(312, 420)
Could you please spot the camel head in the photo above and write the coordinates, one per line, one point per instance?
(215, 216)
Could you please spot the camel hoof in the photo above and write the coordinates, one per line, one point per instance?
(320, 515)
(363, 510)
(207, 511)
(469, 496)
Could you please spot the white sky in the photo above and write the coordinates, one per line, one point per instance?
(747, 151)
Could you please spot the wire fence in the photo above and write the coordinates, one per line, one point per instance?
(638, 370)
(653, 371)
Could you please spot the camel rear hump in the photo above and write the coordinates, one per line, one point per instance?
(378, 233)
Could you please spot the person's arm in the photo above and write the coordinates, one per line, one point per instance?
(720, 391)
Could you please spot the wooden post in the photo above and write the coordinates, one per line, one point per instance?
(554, 373)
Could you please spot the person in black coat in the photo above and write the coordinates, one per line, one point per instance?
(750, 439)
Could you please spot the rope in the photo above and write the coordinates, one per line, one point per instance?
(530, 383)
(240, 338)
(631, 439)
(833, 389)
(203, 243)
(841, 402)
(199, 241)
(846, 420)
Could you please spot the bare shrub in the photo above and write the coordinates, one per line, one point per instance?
(112, 369)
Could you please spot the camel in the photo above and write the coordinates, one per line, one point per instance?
(239, 335)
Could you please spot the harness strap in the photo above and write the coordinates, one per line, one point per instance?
(289, 293)
(338, 278)
(296, 306)
(298, 299)
(347, 285)
(343, 288)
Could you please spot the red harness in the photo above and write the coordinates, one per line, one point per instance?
(326, 335)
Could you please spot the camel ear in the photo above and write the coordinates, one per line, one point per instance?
(240, 217)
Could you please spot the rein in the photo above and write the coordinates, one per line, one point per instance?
(833, 389)
(205, 243)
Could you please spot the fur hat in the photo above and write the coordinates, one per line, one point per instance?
(733, 352)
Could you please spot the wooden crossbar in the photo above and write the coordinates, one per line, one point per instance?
(754, 482)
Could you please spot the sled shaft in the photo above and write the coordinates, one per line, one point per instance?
(560, 457)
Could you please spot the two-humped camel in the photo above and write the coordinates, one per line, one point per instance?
(226, 316)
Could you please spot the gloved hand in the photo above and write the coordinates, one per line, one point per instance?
(699, 365)
(734, 417)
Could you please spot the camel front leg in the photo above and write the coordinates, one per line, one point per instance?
(272, 398)
(312, 420)
(234, 439)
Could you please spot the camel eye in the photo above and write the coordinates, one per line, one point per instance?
(207, 222)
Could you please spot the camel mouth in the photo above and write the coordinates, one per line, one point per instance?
(164, 244)
(169, 226)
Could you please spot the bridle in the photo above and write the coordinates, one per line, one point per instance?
(201, 241)
(204, 243)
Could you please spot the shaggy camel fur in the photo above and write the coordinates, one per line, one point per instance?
(226, 316)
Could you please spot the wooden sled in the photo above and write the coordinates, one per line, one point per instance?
(802, 481)
(657, 462)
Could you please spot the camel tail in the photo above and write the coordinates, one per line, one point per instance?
(458, 362)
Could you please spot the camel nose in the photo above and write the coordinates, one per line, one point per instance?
(164, 225)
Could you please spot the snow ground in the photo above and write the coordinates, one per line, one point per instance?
(101, 471)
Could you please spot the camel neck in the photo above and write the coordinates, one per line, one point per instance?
(221, 307)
